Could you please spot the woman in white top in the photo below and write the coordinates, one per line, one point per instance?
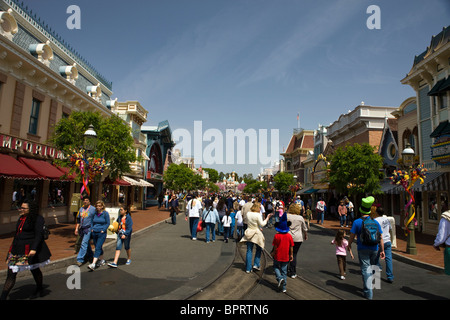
(299, 233)
(194, 212)
(253, 235)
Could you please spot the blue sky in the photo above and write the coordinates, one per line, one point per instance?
(250, 64)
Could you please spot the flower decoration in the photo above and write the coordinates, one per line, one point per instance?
(89, 168)
(406, 181)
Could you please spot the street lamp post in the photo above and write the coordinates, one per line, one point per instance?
(408, 161)
(90, 144)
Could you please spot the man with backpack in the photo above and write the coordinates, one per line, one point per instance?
(368, 232)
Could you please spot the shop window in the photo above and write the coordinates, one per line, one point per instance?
(58, 194)
(107, 193)
(433, 210)
(24, 190)
(443, 199)
(442, 101)
(34, 117)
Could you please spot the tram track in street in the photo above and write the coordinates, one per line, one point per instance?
(235, 284)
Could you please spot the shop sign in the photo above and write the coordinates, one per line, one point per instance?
(154, 176)
(29, 147)
(440, 150)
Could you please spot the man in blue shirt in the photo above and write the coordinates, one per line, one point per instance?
(367, 254)
(83, 229)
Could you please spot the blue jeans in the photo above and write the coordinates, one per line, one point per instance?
(280, 269)
(210, 227)
(99, 239)
(320, 216)
(220, 226)
(173, 216)
(85, 248)
(248, 260)
(367, 262)
(388, 259)
(343, 218)
(193, 224)
(240, 232)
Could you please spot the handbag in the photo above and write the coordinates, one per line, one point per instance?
(199, 226)
(203, 219)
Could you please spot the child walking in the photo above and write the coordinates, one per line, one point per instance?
(308, 215)
(124, 231)
(282, 251)
(226, 222)
(341, 245)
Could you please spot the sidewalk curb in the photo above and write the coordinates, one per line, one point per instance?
(66, 262)
(397, 256)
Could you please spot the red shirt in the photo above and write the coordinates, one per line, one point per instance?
(282, 242)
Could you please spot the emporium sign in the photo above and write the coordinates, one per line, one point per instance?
(29, 147)
(440, 150)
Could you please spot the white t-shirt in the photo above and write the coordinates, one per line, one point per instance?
(385, 227)
(194, 207)
(226, 220)
(239, 220)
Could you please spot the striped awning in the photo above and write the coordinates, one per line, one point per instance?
(434, 181)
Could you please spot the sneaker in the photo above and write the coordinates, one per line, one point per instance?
(92, 266)
(101, 263)
(293, 276)
(194, 239)
(79, 264)
(257, 268)
(112, 265)
(128, 262)
(280, 284)
(284, 290)
(342, 278)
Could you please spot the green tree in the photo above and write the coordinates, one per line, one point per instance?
(197, 182)
(283, 181)
(178, 177)
(213, 174)
(356, 170)
(255, 186)
(114, 141)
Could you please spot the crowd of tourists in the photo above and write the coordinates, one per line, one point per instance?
(242, 218)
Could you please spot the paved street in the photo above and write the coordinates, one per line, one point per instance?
(167, 265)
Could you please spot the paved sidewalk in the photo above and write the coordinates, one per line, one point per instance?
(62, 240)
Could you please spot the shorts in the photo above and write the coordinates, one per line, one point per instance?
(123, 242)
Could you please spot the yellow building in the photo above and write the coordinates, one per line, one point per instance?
(41, 81)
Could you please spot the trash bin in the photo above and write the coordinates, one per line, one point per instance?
(182, 206)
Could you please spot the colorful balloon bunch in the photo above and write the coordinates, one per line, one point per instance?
(89, 168)
(406, 181)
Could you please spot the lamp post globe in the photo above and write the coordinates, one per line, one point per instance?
(408, 155)
(90, 139)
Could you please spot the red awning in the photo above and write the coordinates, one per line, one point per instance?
(12, 168)
(66, 172)
(43, 168)
(117, 182)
